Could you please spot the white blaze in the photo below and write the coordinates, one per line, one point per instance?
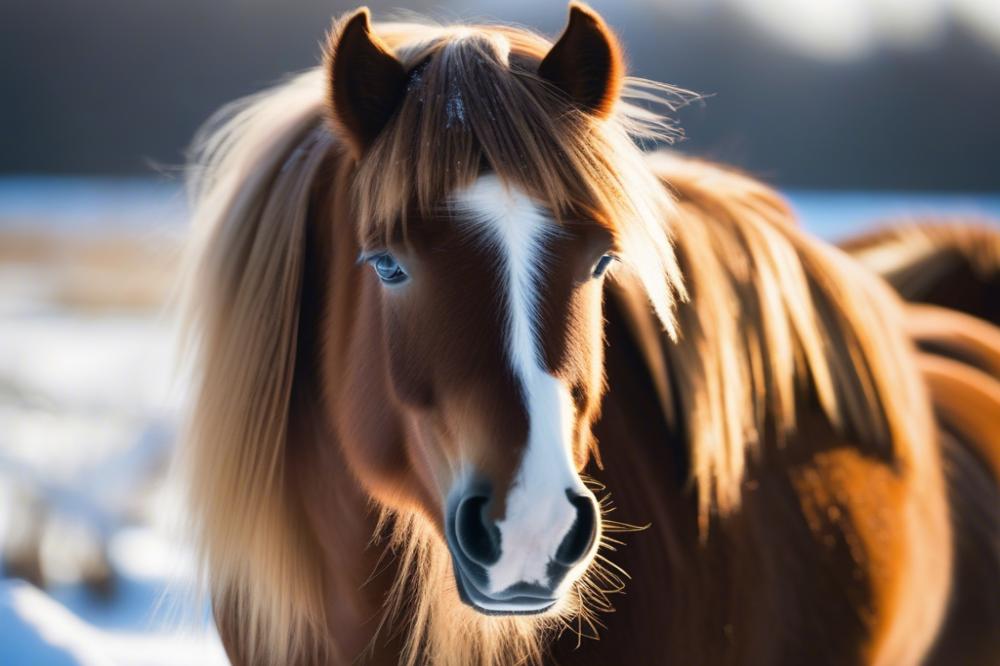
(539, 514)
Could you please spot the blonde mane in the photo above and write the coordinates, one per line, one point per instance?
(762, 312)
(776, 318)
(250, 180)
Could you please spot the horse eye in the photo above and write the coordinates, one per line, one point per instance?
(602, 265)
(388, 269)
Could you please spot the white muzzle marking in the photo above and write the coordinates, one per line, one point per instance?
(538, 513)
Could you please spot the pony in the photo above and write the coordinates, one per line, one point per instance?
(950, 263)
(480, 379)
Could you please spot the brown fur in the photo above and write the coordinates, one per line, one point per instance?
(586, 62)
(366, 82)
(765, 412)
(952, 263)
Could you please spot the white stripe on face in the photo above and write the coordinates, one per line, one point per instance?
(539, 514)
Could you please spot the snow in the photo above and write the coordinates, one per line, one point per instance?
(88, 412)
(89, 407)
(836, 215)
(454, 107)
(36, 629)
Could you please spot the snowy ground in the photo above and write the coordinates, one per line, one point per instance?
(89, 401)
(88, 412)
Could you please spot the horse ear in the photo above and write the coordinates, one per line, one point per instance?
(586, 62)
(367, 82)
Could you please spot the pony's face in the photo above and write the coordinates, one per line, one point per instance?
(484, 328)
(492, 326)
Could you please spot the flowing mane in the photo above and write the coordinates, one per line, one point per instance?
(775, 315)
(759, 321)
(250, 180)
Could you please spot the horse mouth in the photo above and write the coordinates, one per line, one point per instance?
(518, 600)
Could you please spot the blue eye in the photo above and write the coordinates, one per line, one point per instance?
(388, 269)
(602, 265)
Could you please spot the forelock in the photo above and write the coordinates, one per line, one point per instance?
(475, 103)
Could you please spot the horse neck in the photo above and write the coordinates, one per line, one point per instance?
(343, 524)
(697, 576)
(645, 468)
(713, 571)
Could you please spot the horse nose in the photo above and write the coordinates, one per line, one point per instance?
(523, 563)
(580, 538)
(477, 536)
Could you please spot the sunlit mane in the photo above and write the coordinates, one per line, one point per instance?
(764, 317)
(250, 181)
(776, 318)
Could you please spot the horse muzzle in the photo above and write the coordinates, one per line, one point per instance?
(522, 564)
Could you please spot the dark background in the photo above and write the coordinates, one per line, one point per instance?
(118, 87)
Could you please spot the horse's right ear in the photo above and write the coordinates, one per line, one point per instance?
(366, 81)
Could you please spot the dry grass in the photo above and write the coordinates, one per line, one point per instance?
(88, 273)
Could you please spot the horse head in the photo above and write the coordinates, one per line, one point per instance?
(479, 315)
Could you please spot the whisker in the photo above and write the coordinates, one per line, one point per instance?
(612, 564)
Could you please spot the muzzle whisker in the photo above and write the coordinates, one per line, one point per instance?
(613, 565)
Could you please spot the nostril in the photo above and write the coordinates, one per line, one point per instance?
(581, 535)
(476, 535)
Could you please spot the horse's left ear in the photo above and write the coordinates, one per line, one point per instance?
(586, 63)
(367, 82)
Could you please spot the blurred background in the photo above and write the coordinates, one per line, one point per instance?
(859, 110)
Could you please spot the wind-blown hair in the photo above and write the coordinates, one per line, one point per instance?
(250, 178)
(911, 253)
(779, 325)
(773, 316)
